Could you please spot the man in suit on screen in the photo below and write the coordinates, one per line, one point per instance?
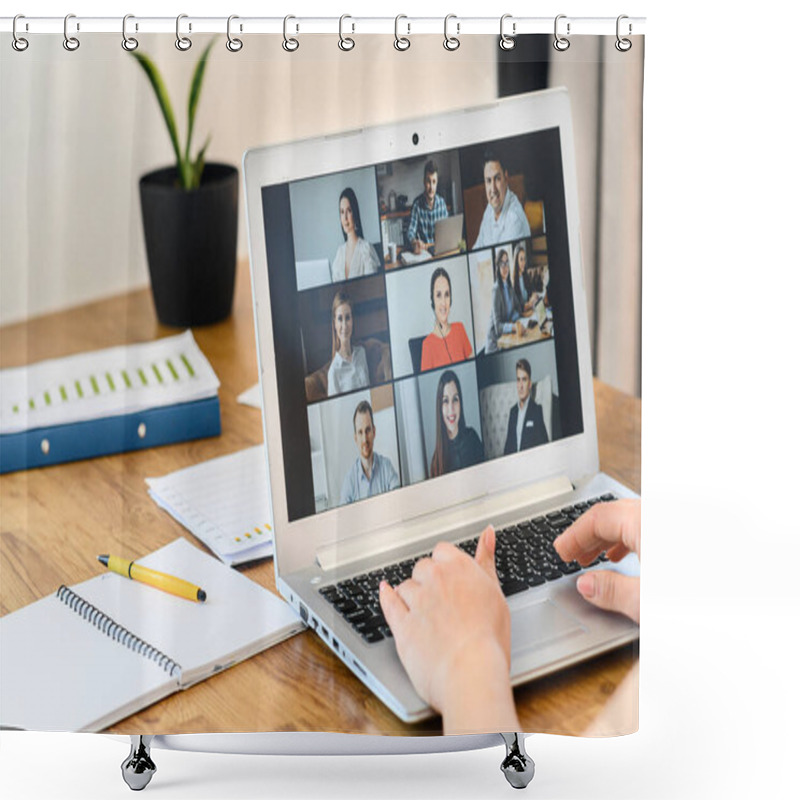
(525, 420)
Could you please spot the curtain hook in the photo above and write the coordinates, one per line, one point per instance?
(401, 42)
(290, 44)
(451, 42)
(346, 43)
(71, 43)
(183, 43)
(129, 43)
(17, 42)
(623, 45)
(507, 42)
(233, 44)
(561, 43)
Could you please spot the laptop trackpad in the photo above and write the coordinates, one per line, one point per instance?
(539, 624)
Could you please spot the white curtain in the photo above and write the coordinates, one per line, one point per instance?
(79, 130)
(606, 88)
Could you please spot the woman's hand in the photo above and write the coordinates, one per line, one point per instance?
(617, 529)
(452, 628)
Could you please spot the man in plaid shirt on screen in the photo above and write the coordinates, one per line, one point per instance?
(427, 209)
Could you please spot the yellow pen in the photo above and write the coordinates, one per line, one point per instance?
(159, 580)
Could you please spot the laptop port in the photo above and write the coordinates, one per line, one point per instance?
(304, 613)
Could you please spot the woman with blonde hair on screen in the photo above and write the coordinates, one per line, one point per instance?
(457, 445)
(448, 343)
(356, 257)
(348, 369)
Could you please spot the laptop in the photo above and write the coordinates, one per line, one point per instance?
(447, 234)
(338, 530)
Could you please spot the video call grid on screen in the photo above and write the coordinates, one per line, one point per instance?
(372, 258)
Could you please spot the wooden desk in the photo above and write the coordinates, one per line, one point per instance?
(398, 262)
(54, 521)
(529, 336)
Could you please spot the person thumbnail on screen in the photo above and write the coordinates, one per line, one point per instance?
(430, 315)
(371, 473)
(335, 228)
(457, 445)
(448, 342)
(354, 452)
(505, 316)
(344, 331)
(519, 400)
(437, 413)
(511, 306)
(531, 279)
(348, 369)
(497, 207)
(432, 224)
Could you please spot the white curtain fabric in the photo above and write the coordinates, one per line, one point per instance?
(606, 87)
(79, 129)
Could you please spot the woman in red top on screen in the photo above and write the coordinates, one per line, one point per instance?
(449, 342)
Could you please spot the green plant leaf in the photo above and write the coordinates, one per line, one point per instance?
(160, 89)
(194, 93)
(199, 164)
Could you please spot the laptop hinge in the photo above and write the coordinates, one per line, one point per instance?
(440, 523)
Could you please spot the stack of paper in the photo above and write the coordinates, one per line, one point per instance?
(224, 502)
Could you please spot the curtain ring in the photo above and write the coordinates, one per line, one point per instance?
(289, 44)
(345, 43)
(129, 43)
(451, 42)
(561, 43)
(401, 42)
(183, 43)
(623, 45)
(17, 42)
(507, 42)
(70, 43)
(233, 44)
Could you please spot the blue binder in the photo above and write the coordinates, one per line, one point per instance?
(41, 447)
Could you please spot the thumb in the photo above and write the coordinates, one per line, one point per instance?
(611, 591)
(484, 553)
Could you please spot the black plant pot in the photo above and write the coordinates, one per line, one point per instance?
(190, 238)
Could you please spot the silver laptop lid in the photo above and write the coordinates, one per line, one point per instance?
(328, 198)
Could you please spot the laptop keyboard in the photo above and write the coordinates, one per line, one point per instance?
(524, 557)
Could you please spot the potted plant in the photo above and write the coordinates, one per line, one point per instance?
(189, 214)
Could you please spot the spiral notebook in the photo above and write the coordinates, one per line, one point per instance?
(87, 656)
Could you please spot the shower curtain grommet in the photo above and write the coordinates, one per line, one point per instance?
(401, 43)
(289, 43)
(560, 43)
(346, 43)
(451, 43)
(183, 43)
(71, 43)
(233, 44)
(19, 43)
(507, 42)
(129, 43)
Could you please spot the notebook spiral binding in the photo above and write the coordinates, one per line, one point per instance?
(115, 631)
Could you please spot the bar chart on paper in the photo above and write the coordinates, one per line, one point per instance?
(225, 502)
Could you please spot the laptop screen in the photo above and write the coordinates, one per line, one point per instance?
(400, 359)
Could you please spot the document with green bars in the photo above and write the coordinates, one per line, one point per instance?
(103, 383)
